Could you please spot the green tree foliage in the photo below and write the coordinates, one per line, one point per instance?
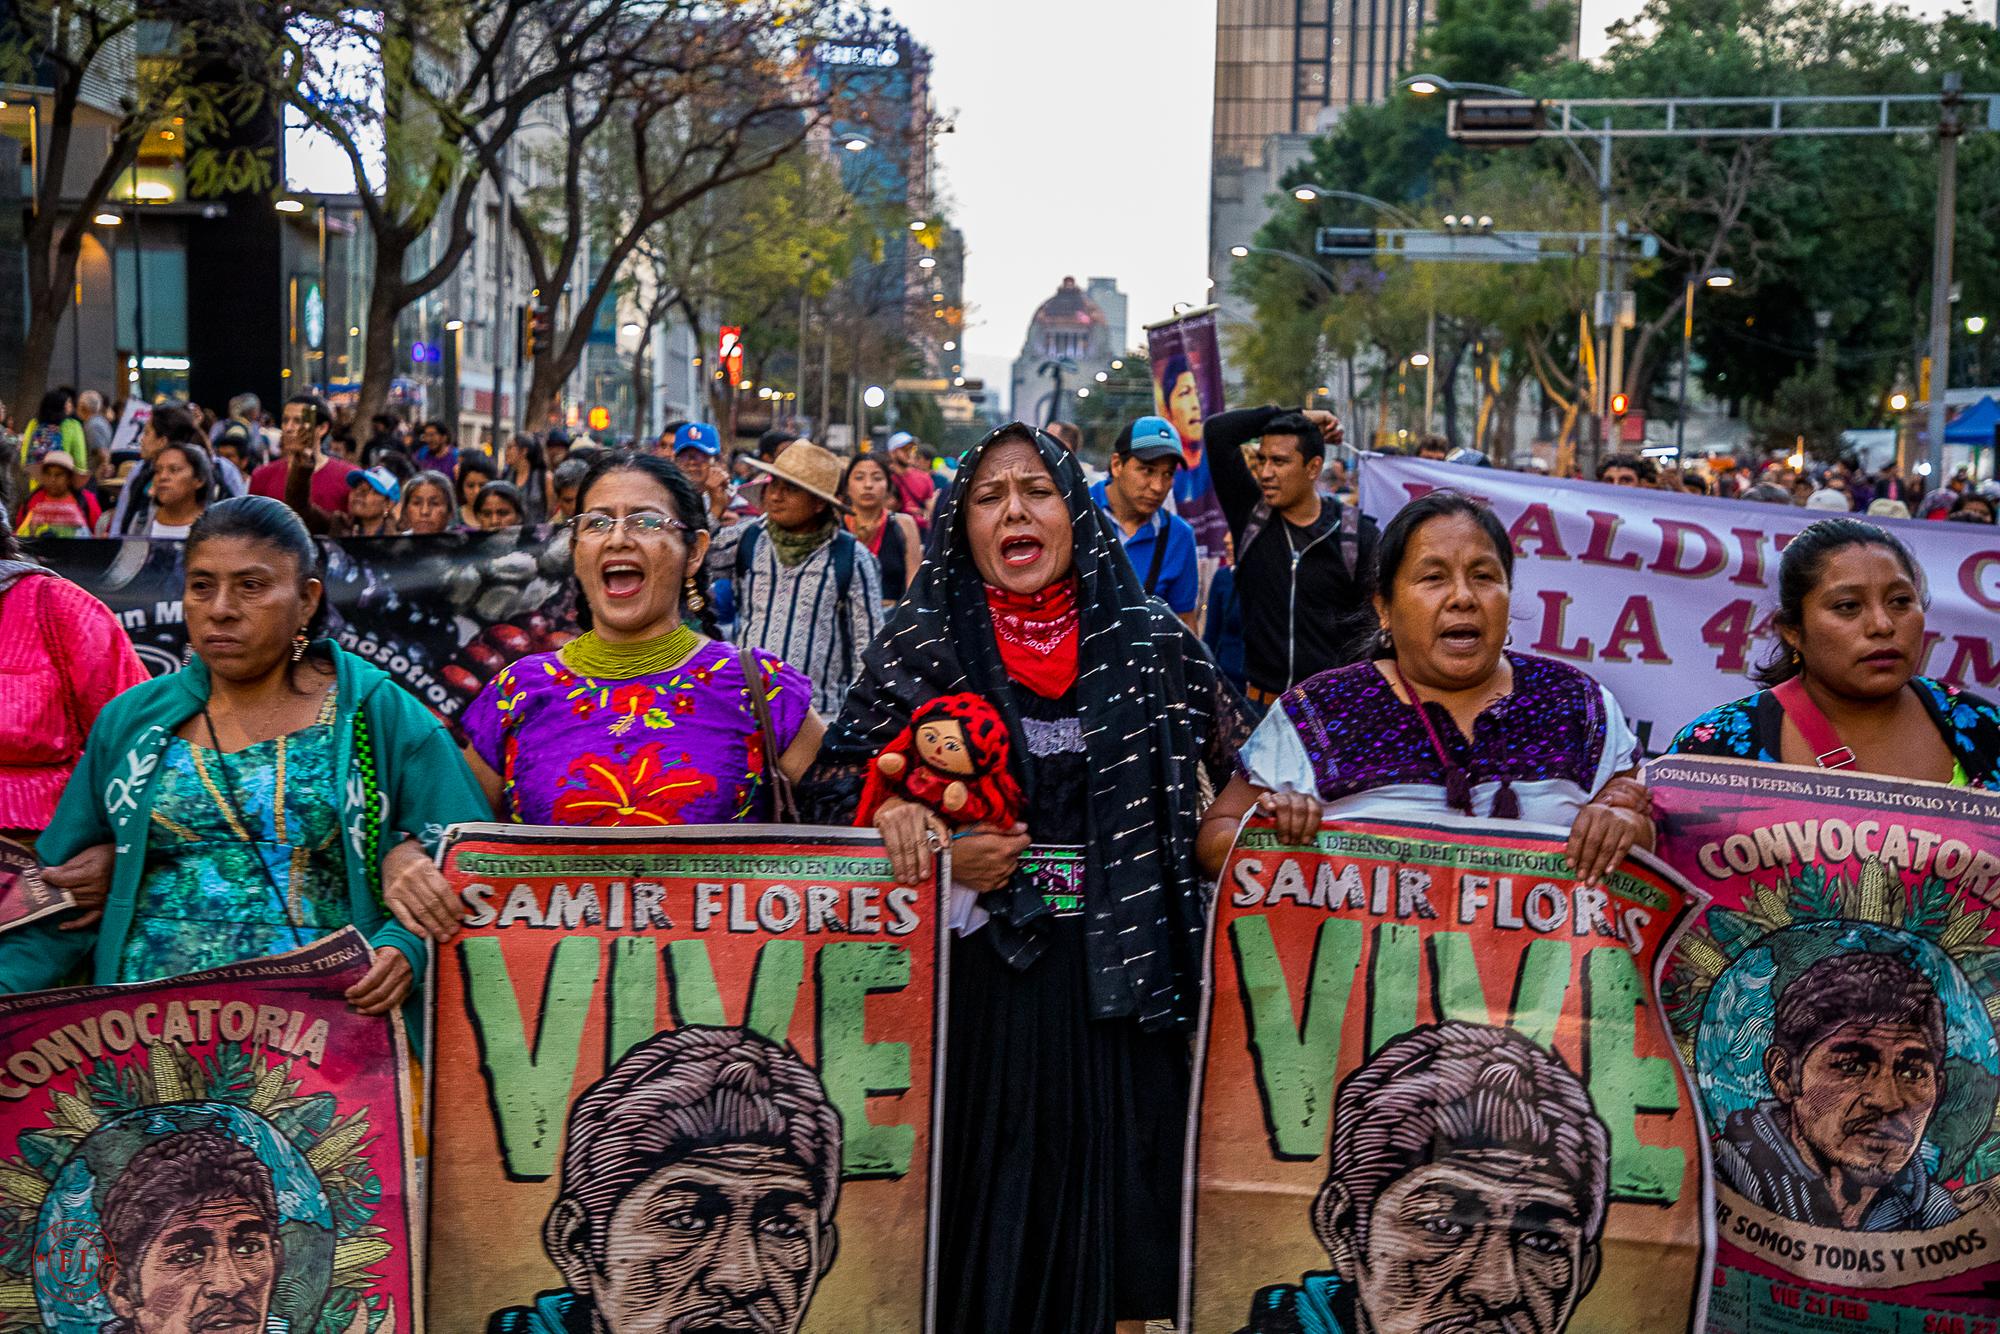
(1829, 238)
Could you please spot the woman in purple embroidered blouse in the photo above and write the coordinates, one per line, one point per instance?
(1499, 734)
(641, 720)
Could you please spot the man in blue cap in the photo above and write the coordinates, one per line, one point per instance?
(698, 454)
(1160, 545)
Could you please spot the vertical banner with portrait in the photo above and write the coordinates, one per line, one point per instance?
(1837, 1007)
(685, 1079)
(1186, 356)
(24, 895)
(1435, 1091)
(228, 1150)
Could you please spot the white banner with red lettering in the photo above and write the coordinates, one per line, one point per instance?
(1667, 598)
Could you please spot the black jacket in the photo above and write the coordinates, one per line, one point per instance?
(1299, 618)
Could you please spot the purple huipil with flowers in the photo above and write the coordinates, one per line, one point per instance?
(674, 747)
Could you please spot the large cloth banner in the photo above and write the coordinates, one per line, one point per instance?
(227, 1151)
(1837, 1006)
(24, 895)
(1186, 357)
(1667, 598)
(685, 1080)
(441, 614)
(1435, 1092)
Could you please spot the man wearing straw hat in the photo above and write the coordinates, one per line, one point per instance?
(805, 589)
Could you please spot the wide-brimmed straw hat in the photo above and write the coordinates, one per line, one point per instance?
(808, 467)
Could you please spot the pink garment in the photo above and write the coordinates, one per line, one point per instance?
(63, 657)
(329, 483)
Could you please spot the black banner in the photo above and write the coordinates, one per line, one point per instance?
(441, 614)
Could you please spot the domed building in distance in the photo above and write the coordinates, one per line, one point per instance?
(1072, 336)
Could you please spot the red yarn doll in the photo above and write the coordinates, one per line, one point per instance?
(951, 759)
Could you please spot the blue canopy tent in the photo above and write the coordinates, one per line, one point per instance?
(1975, 425)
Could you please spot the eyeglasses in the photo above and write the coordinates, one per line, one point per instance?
(641, 526)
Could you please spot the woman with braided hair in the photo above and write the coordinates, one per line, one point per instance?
(274, 789)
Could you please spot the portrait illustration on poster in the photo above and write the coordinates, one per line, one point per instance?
(1186, 358)
(705, 1153)
(1837, 1005)
(685, 1081)
(224, 1152)
(1435, 1091)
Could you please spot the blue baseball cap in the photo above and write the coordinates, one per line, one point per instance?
(698, 435)
(1151, 438)
(381, 479)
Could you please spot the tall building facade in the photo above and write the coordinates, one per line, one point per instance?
(1284, 71)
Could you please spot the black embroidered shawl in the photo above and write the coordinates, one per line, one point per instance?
(1156, 713)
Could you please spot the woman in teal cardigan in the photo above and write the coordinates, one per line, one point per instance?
(275, 789)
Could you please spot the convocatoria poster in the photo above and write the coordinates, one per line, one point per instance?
(1837, 1007)
(1435, 1092)
(684, 1080)
(226, 1152)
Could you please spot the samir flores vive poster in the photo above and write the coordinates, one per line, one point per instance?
(226, 1152)
(685, 1080)
(1838, 1006)
(1436, 1093)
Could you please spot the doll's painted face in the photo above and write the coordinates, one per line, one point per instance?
(942, 745)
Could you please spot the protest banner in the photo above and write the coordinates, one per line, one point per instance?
(24, 896)
(1685, 612)
(1186, 358)
(1434, 1090)
(224, 1150)
(441, 614)
(737, 1025)
(1837, 1007)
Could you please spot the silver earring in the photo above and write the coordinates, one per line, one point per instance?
(299, 646)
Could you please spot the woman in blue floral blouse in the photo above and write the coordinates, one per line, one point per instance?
(1851, 621)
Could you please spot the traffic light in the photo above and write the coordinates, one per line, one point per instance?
(1496, 120)
(541, 330)
(1619, 403)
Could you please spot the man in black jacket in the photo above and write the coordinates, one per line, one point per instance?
(1304, 561)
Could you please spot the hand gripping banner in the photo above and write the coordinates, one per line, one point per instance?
(1435, 1092)
(225, 1151)
(685, 1079)
(1837, 1006)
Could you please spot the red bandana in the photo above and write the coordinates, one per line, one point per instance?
(1037, 635)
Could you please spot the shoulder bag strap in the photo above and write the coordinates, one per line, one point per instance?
(784, 808)
(1162, 530)
(1829, 752)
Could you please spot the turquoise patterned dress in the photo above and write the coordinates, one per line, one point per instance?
(245, 858)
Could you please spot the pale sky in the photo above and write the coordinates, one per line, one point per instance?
(1081, 149)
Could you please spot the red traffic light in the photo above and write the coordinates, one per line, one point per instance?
(1619, 403)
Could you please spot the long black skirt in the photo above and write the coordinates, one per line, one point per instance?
(1063, 1139)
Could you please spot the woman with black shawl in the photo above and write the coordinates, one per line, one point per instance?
(1077, 967)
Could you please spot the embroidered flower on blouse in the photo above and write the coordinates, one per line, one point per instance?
(602, 790)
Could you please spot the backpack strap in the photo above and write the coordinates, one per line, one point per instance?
(1350, 539)
(1260, 518)
(844, 547)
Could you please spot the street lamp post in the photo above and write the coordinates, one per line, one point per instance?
(1606, 316)
(1716, 278)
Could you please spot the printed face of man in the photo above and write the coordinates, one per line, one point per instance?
(1860, 1100)
(210, 1270)
(727, 1239)
(1184, 406)
(1474, 1242)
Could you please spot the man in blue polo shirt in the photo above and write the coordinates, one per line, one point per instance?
(1159, 545)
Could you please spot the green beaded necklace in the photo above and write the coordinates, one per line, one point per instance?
(604, 660)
